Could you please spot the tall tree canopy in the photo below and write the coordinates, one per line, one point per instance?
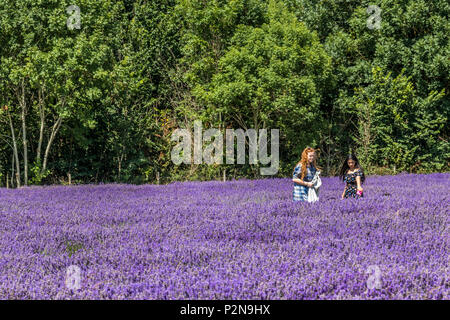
(91, 90)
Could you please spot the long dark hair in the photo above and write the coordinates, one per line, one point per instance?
(345, 167)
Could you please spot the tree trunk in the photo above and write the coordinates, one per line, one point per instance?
(20, 92)
(16, 154)
(24, 135)
(41, 129)
(119, 167)
(12, 172)
(120, 159)
(55, 129)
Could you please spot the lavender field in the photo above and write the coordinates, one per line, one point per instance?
(241, 239)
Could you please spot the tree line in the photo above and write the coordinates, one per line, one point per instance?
(98, 102)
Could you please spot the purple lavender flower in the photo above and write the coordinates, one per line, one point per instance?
(241, 239)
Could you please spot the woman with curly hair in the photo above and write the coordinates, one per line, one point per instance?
(303, 175)
(353, 175)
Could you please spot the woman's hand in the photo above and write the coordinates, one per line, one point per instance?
(309, 184)
(360, 189)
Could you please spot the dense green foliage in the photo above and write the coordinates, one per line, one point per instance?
(99, 103)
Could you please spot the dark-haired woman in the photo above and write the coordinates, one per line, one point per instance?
(353, 175)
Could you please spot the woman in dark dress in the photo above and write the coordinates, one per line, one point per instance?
(353, 175)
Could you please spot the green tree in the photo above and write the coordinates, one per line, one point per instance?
(397, 128)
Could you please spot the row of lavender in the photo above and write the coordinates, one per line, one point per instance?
(242, 239)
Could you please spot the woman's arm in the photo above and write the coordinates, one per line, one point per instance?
(303, 183)
(295, 178)
(345, 189)
(358, 183)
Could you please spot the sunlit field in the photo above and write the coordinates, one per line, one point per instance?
(241, 239)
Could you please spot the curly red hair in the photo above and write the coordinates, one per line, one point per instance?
(304, 161)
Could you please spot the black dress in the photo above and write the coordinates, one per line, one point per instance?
(351, 188)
